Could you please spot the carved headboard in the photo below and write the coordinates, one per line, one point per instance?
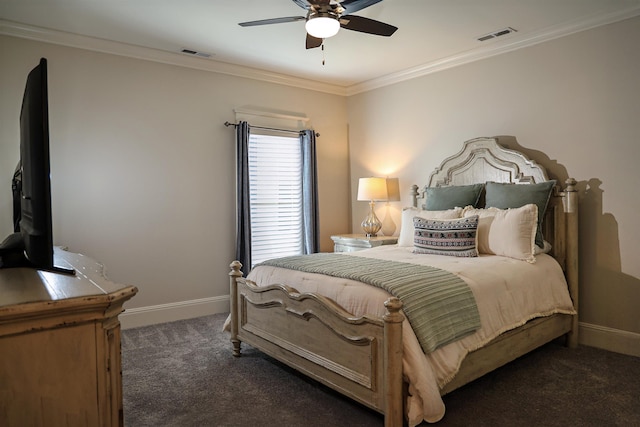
(482, 160)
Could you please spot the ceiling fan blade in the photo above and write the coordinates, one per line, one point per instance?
(272, 21)
(313, 42)
(302, 3)
(366, 25)
(306, 4)
(351, 6)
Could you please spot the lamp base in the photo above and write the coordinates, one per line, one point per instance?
(371, 224)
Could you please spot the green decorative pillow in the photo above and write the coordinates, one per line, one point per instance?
(441, 198)
(453, 237)
(505, 196)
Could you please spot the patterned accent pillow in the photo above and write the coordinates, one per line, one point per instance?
(407, 230)
(455, 237)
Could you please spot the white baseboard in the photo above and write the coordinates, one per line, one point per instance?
(609, 339)
(144, 316)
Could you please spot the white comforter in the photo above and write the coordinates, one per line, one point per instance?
(508, 293)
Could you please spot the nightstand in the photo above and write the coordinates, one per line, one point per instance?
(358, 242)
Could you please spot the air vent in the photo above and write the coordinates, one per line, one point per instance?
(495, 34)
(196, 53)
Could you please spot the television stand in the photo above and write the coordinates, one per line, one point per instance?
(60, 345)
(12, 256)
(12, 252)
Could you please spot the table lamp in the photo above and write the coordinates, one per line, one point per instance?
(372, 189)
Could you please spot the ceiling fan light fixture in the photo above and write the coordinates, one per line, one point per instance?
(322, 26)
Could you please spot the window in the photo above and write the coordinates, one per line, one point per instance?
(275, 190)
(277, 193)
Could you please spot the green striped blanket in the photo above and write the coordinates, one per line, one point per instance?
(439, 305)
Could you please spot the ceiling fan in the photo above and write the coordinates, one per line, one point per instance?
(325, 17)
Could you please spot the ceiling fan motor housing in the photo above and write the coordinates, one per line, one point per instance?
(325, 18)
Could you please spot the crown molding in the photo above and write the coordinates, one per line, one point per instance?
(62, 38)
(496, 48)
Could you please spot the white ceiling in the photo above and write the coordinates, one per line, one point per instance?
(431, 34)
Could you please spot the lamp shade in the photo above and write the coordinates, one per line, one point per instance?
(372, 189)
(322, 27)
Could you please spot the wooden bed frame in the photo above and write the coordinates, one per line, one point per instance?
(361, 357)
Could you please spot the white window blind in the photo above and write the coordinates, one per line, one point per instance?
(275, 187)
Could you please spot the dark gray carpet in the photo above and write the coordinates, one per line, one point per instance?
(183, 374)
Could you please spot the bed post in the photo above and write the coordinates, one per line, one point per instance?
(414, 195)
(234, 275)
(393, 402)
(570, 204)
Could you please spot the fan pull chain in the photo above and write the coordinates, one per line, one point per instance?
(322, 47)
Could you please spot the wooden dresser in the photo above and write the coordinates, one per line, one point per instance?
(60, 345)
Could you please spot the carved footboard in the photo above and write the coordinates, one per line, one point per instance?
(359, 357)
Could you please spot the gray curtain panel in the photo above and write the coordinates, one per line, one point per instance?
(310, 232)
(243, 211)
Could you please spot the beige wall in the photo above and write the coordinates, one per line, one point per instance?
(572, 104)
(143, 168)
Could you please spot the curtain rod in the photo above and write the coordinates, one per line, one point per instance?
(227, 124)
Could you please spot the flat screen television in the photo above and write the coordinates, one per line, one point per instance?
(31, 244)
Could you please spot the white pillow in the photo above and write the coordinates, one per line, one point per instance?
(406, 226)
(543, 250)
(507, 232)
